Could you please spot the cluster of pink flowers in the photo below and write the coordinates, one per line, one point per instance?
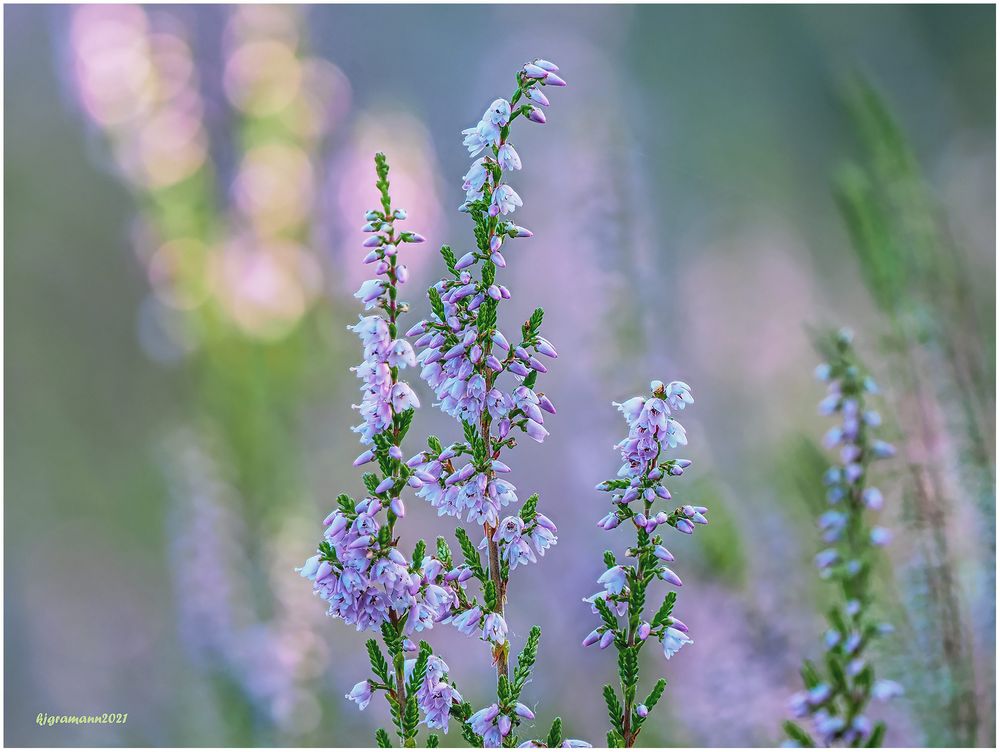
(359, 569)
(837, 694)
(640, 481)
(464, 355)
(383, 394)
(366, 579)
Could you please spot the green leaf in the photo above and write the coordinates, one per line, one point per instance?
(433, 741)
(382, 739)
(605, 611)
(380, 667)
(471, 432)
(526, 661)
(384, 535)
(554, 738)
(614, 709)
(327, 552)
(382, 170)
(628, 671)
(444, 552)
(436, 303)
(663, 615)
(503, 690)
(530, 379)
(403, 421)
(533, 324)
(393, 641)
(609, 559)
(878, 733)
(411, 717)
(655, 694)
(528, 511)
(419, 552)
(837, 621)
(371, 482)
(489, 273)
(435, 444)
(798, 734)
(810, 676)
(449, 258)
(419, 669)
(346, 504)
(490, 595)
(836, 671)
(471, 554)
(486, 318)
(482, 236)
(615, 741)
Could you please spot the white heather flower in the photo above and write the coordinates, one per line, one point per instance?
(369, 291)
(508, 158)
(498, 113)
(509, 529)
(480, 136)
(361, 693)
(402, 354)
(472, 141)
(506, 200)
(494, 629)
(886, 689)
(678, 395)
(371, 329)
(614, 580)
(674, 640)
(631, 409)
(475, 179)
(403, 397)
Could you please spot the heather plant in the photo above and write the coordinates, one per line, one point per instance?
(838, 692)
(938, 341)
(485, 380)
(359, 567)
(621, 605)
(464, 357)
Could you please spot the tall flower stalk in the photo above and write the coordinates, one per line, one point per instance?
(635, 493)
(485, 380)
(838, 693)
(359, 568)
(938, 347)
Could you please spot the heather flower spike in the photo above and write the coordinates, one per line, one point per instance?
(358, 568)
(636, 493)
(485, 378)
(837, 694)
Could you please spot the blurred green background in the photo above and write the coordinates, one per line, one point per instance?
(184, 188)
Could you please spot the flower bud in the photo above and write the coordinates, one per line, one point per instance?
(524, 711)
(592, 639)
(668, 575)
